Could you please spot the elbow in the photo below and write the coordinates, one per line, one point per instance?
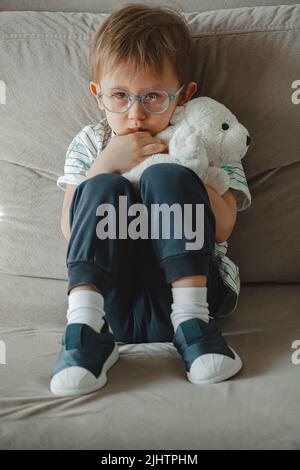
(224, 232)
(221, 236)
(64, 226)
(65, 235)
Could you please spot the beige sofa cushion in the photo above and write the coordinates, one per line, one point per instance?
(96, 6)
(246, 58)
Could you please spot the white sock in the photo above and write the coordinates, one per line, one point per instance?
(86, 306)
(189, 302)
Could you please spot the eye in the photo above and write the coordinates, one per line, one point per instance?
(120, 95)
(152, 95)
(225, 126)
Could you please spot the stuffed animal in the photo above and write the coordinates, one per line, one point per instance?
(203, 135)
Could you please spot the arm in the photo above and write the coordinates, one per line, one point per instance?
(99, 166)
(64, 219)
(225, 211)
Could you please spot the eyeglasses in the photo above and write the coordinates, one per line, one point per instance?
(153, 100)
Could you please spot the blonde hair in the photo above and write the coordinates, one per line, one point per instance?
(142, 35)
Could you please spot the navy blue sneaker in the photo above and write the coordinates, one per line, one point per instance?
(207, 357)
(84, 360)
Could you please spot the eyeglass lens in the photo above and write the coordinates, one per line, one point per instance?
(117, 100)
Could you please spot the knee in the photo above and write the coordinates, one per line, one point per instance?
(112, 182)
(161, 170)
(166, 174)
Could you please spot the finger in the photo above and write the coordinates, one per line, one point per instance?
(145, 138)
(152, 140)
(142, 133)
(153, 148)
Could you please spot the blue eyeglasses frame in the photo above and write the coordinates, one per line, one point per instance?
(140, 98)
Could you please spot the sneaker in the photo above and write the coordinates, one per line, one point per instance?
(207, 357)
(84, 360)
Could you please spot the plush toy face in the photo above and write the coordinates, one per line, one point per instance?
(225, 139)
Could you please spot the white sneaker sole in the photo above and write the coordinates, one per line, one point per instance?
(96, 385)
(229, 372)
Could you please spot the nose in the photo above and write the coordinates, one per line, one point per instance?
(248, 140)
(136, 111)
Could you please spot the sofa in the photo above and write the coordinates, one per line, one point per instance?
(246, 55)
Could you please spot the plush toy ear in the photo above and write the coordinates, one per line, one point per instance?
(177, 115)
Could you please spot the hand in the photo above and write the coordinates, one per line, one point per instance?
(124, 152)
(218, 179)
(225, 211)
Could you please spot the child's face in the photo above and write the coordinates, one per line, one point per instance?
(136, 118)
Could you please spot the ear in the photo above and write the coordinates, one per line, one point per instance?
(187, 94)
(94, 90)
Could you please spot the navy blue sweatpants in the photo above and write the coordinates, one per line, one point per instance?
(135, 275)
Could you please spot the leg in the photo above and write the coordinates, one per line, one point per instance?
(175, 184)
(107, 265)
(152, 311)
(99, 265)
(206, 355)
(84, 287)
(190, 281)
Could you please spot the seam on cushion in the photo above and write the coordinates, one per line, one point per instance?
(194, 36)
(242, 31)
(44, 36)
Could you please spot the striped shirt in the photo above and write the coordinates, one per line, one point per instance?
(92, 139)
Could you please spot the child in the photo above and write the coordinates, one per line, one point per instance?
(131, 290)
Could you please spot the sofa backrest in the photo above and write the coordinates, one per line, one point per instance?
(247, 58)
(107, 6)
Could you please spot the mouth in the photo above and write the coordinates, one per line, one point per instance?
(131, 131)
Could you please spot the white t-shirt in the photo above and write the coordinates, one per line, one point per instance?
(93, 138)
